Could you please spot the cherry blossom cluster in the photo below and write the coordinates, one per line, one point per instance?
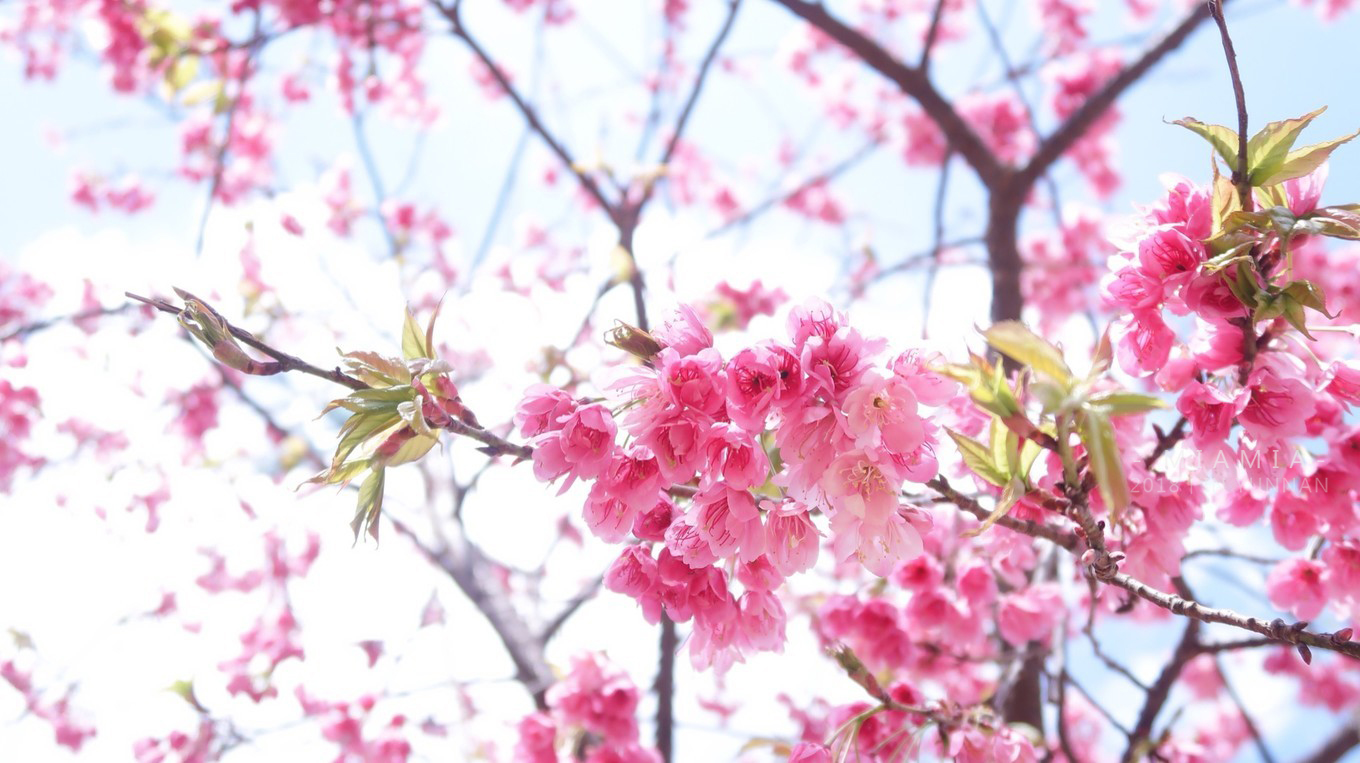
(593, 709)
(1248, 416)
(759, 444)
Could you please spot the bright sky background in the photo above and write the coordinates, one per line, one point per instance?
(71, 582)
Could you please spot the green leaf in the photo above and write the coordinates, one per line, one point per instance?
(1307, 293)
(429, 328)
(1269, 148)
(1224, 201)
(375, 370)
(977, 457)
(362, 427)
(1013, 339)
(181, 72)
(1293, 312)
(1005, 446)
(185, 690)
(410, 412)
(413, 343)
(986, 385)
(1238, 252)
(413, 449)
(201, 92)
(1121, 403)
(370, 505)
(1338, 222)
(1009, 496)
(1029, 451)
(1223, 139)
(1271, 196)
(1103, 456)
(1243, 285)
(376, 400)
(1268, 307)
(1050, 395)
(1302, 161)
(339, 474)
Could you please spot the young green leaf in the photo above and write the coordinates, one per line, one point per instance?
(370, 505)
(1014, 340)
(413, 339)
(1005, 447)
(1269, 147)
(1302, 161)
(1097, 434)
(1223, 139)
(978, 457)
(1121, 403)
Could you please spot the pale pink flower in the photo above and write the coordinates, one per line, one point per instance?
(757, 379)
(881, 411)
(1029, 615)
(791, 540)
(1295, 585)
(1210, 411)
(728, 519)
(859, 483)
(762, 621)
(543, 409)
(609, 517)
(692, 381)
(1278, 406)
(684, 332)
(735, 457)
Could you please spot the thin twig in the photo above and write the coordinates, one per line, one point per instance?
(960, 135)
(286, 362)
(451, 13)
(1080, 121)
(32, 328)
(1252, 728)
(1240, 176)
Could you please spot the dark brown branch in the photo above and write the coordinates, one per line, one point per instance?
(1240, 177)
(256, 41)
(469, 570)
(554, 625)
(937, 240)
(1276, 630)
(1232, 646)
(1346, 739)
(1025, 526)
(24, 330)
(1252, 728)
(683, 120)
(1076, 126)
(957, 132)
(1161, 689)
(665, 690)
(839, 168)
(1166, 441)
(932, 34)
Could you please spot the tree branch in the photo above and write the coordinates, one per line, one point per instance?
(1161, 689)
(1240, 177)
(1056, 144)
(451, 12)
(681, 121)
(467, 566)
(285, 361)
(1345, 739)
(913, 82)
